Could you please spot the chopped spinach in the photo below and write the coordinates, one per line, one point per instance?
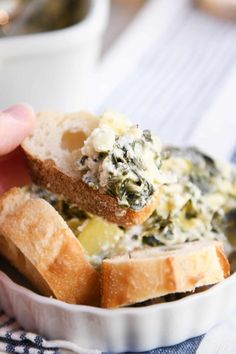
(229, 226)
(147, 135)
(126, 168)
(155, 228)
(190, 211)
(151, 240)
(67, 210)
(203, 170)
(83, 159)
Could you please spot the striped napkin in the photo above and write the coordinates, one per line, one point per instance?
(13, 339)
(173, 71)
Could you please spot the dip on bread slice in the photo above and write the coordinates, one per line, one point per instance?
(107, 166)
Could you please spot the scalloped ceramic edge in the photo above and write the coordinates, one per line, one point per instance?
(125, 329)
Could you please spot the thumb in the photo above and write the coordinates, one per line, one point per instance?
(15, 124)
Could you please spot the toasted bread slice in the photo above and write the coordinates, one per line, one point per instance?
(52, 151)
(38, 242)
(154, 272)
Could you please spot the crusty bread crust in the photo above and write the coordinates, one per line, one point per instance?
(38, 242)
(24, 266)
(146, 274)
(47, 173)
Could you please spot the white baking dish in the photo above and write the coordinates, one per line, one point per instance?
(51, 70)
(126, 329)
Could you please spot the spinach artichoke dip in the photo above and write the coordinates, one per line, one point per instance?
(197, 202)
(123, 160)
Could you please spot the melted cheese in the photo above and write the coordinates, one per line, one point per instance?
(185, 212)
(118, 150)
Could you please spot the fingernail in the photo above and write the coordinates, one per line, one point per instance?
(21, 112)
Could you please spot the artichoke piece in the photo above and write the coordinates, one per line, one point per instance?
(229, 226)
(99, 236)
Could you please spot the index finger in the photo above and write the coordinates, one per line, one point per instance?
(16, 123)
(4, 18)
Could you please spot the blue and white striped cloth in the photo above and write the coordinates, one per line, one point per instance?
(15, 340)
(169, 89)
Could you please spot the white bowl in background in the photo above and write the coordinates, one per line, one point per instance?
(51, 70)
(124, 329)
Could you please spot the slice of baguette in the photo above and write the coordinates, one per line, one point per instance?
(38, 242)
(52, 151)
(154, 272)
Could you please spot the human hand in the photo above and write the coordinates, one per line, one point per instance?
(15, 124)
(4, 18)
